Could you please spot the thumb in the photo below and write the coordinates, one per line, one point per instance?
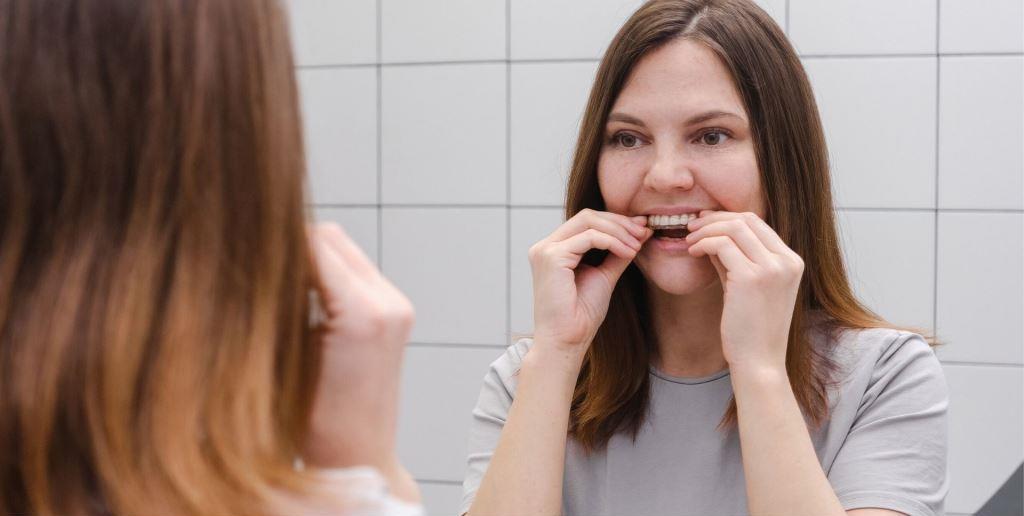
(720, 268)
(597, 283)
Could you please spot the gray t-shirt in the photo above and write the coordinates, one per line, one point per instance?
(884, 444)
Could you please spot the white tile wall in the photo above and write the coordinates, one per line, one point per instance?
(444, 134)
(440, 386)
(442, 30)
(980, 281)
(863, 26)
(891, 262)
(981, 95)
(476, 103)
(529, 225)
(879, 116)
(989, 26)
(340, 119)
(329, 32)
(985, 427)
(547, 103)
(451, 263)
(567, 29)
(441, 499)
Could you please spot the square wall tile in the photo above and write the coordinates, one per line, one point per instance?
(440, 386)
(890, 263)
(339, 114)
(451, 263)
(360, 224)
(328, 32)
(776, 9)
(879, 118)
(441, 498)
(529, 226)
(548, 100)
(981, 96)
(442, 30)
(443, 134)
(981, 287)
(985, 427)
(862, 26)
(969, 26)
(542, 29)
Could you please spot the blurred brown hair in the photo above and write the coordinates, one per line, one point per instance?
(612, 390)
(154, 269)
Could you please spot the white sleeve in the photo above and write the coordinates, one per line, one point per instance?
(489, 417)
(368, 493)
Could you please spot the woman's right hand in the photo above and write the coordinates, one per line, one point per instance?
(363, 331)
(570, 297)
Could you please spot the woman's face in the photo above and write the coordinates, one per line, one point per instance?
(678, 141)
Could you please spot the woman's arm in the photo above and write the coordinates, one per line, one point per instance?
(781, 468)
(365, 324)
(524, 476)
(525, 473)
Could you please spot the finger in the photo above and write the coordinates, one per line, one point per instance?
(726, 250)
(771, 240)
(333, 275)
(605, 221)
(601, 225)
(613, 267)
(577, 245)
(740, 233)
(720, 268)
(600, 281)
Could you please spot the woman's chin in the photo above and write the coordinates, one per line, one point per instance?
(677, 275)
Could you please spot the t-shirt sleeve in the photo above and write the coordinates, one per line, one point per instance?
(489, 417)
(894, 456)
(366, 493)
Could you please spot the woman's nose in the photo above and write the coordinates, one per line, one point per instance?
(671, 169)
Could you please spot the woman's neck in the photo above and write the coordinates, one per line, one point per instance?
(688, 331)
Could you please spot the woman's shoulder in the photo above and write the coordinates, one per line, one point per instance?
(880, 356)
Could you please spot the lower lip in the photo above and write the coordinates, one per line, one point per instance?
(672, 245)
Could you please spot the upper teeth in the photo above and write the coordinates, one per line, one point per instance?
(655, 221)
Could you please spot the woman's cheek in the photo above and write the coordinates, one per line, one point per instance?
(620, 178)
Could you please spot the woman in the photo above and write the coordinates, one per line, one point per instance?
(156, 348)
(716, 360)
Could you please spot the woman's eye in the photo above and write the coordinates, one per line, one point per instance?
(713, 138)
(627, 140)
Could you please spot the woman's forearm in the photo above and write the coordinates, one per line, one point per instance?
(524, 476)
(782, 471)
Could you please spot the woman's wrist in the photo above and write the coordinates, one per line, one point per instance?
(555, 357)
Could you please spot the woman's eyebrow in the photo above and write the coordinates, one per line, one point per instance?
(629, 119)
(711, 115)
(696, 119)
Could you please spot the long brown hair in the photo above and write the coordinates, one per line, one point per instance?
(612, 391)
(154, 269)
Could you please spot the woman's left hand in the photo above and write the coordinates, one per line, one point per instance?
(760, 276)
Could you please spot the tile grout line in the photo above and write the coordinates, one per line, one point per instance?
(508, 169)
(453, 345)
(557, 60)
(380, 139)
(787, 19)
(935, 241)
(499, 347)
(980, 364)
(882, 209)
(438, 482)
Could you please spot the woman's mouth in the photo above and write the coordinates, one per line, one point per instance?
(670, 228)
